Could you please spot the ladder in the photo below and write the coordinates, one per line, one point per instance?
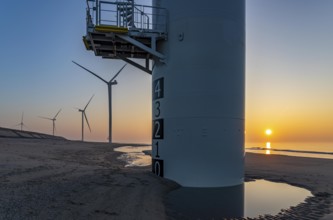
(121, 29)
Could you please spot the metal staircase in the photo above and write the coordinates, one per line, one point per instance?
(126, 10)
(121, 29)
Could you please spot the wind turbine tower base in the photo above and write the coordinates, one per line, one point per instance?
(198, 79)
(199, 94)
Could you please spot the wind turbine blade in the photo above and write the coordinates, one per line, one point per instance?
(117, 73)
(45, 118)
(57, 114)
(90, 72)
(88, 102)
(22, 117)
(85, 116)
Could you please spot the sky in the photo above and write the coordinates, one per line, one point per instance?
(289, 53)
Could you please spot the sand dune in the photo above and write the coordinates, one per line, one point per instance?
(13, 133)
(61, 179)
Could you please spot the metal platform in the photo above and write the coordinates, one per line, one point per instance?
(121, 30)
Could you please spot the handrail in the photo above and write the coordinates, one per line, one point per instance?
(122, 13)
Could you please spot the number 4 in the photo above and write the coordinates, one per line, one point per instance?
(158, 88)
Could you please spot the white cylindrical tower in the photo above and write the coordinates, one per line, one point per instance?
(199, 94)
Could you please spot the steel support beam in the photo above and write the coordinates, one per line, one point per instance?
(145, 69)
(141, 46)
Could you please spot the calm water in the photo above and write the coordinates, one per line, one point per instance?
(134, 156)
(250, 199)
(265, 197)
(314, 150)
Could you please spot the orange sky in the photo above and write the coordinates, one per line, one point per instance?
(288, 74)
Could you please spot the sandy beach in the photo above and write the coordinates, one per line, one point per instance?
(60, 179)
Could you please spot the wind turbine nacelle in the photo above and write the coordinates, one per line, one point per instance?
(114, 82)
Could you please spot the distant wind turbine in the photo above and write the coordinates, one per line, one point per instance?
(83, 111)
(21, 124)
(53, 120)
(109, 84)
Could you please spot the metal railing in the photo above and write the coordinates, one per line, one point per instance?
(122, 13)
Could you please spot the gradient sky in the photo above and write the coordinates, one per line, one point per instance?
(289, 76)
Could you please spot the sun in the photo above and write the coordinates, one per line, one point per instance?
(268, 131)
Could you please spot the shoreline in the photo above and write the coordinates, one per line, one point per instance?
(313, 174)
(62, 179)
(289, 150)
(292, 153)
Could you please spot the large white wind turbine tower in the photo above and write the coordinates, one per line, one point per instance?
(198, 80)
(53, 120)
(84, 116)
(199, 93)
(109, 84)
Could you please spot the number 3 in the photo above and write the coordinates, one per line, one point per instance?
(158, 111)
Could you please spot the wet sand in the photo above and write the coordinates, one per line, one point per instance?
(60, 179)
(313, 174)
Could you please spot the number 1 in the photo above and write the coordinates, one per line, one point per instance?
(157, 150)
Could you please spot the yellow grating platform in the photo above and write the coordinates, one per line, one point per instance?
(108, 29)
(86, 44)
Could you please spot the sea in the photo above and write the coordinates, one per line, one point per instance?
(297, 149)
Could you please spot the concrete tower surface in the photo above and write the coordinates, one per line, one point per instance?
(199, 93)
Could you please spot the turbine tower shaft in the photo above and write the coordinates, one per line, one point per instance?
(109, 84)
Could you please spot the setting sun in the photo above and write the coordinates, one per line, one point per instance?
(268, 131)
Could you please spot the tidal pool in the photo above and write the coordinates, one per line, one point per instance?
(134, 156)
(265, 197)
(250, 199)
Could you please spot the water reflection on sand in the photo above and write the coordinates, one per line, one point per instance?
(266, 197)
(250, 199)
(313, 150)
(207, 203)
(287, 152)
(134, 156)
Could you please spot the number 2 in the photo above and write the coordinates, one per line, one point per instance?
(158, 129)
